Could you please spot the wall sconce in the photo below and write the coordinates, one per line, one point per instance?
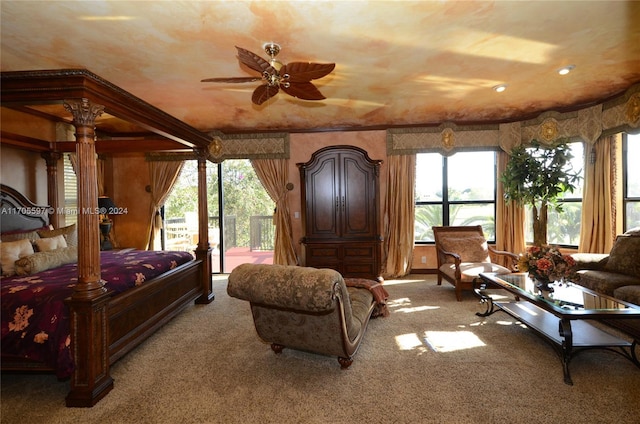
(106, 207)
(592, 156)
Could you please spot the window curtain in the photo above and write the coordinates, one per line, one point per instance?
(509, 218)
(399, 215)
(597, 226)
(273, 174)
(163, 176)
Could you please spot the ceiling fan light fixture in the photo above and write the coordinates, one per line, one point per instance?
(294, 78)
(272, 49)
(500, 88)
(565, 70)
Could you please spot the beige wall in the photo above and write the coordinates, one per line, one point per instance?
(24, 171)
(126, 186)
(20, 169)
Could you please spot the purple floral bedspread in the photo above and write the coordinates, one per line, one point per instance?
(35, 320)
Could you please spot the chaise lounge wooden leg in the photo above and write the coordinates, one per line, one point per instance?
(277, 348)
(345, 362)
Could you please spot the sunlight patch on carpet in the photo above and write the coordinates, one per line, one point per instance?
(416, 309)
(400, 301)
(408, 341)
(403, 305)
(449, 341)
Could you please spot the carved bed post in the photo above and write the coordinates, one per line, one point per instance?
(203, 251)
(52, 158)
(90, 381)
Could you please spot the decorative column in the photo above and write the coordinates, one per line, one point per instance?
(203, 251)
(52, 158)
(84, 116)
(90, 381)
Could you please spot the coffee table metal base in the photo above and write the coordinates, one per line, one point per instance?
(567, 337)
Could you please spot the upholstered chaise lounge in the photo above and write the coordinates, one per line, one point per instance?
(304, 308)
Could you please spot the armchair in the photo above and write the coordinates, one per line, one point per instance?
(463, 253)
(304, 308)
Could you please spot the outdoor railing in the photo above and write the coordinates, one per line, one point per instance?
(261, 233)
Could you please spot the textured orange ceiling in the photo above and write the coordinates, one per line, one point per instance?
(397, 62)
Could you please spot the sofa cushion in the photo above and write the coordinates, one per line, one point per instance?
(629, 294)
(590, 260)
(605, 282)
(624, 255)
(633, 231)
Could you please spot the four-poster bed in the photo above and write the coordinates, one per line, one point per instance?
(103, 325)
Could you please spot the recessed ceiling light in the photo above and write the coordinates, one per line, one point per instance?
(500, 88)
(566, 69)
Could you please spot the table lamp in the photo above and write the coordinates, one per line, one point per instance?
(106, 206)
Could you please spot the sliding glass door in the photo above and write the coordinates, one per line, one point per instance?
(242, 233)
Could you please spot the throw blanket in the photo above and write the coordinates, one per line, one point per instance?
(379, 294)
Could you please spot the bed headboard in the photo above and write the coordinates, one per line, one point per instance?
(19, 213)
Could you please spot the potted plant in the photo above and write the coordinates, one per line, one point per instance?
(537, 175)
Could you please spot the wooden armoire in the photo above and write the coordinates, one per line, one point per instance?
(340, 212)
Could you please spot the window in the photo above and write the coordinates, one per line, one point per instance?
(70, 192)
(455, 190)
(563, 227)
(631, 181)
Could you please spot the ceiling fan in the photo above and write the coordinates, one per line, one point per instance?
(293, 78)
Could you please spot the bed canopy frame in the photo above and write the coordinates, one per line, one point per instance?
(95, 106)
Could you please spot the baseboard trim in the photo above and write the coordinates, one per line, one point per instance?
(423, 271)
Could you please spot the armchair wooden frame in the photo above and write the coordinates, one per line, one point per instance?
(460, 279)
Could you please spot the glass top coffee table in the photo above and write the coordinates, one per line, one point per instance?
(560, 313)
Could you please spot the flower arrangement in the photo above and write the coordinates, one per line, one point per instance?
(547, 263)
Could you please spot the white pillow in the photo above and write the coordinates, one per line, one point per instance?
(51, 243)
(11, 251)
(69, 232)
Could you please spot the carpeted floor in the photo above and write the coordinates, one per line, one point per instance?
(431, 361)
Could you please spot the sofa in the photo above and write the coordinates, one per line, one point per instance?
(306, 308)
(615, 274)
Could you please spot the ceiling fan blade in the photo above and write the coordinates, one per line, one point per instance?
(254, 61)
(305, 72)
(263, 93)
(303, 90)
(232, 79)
